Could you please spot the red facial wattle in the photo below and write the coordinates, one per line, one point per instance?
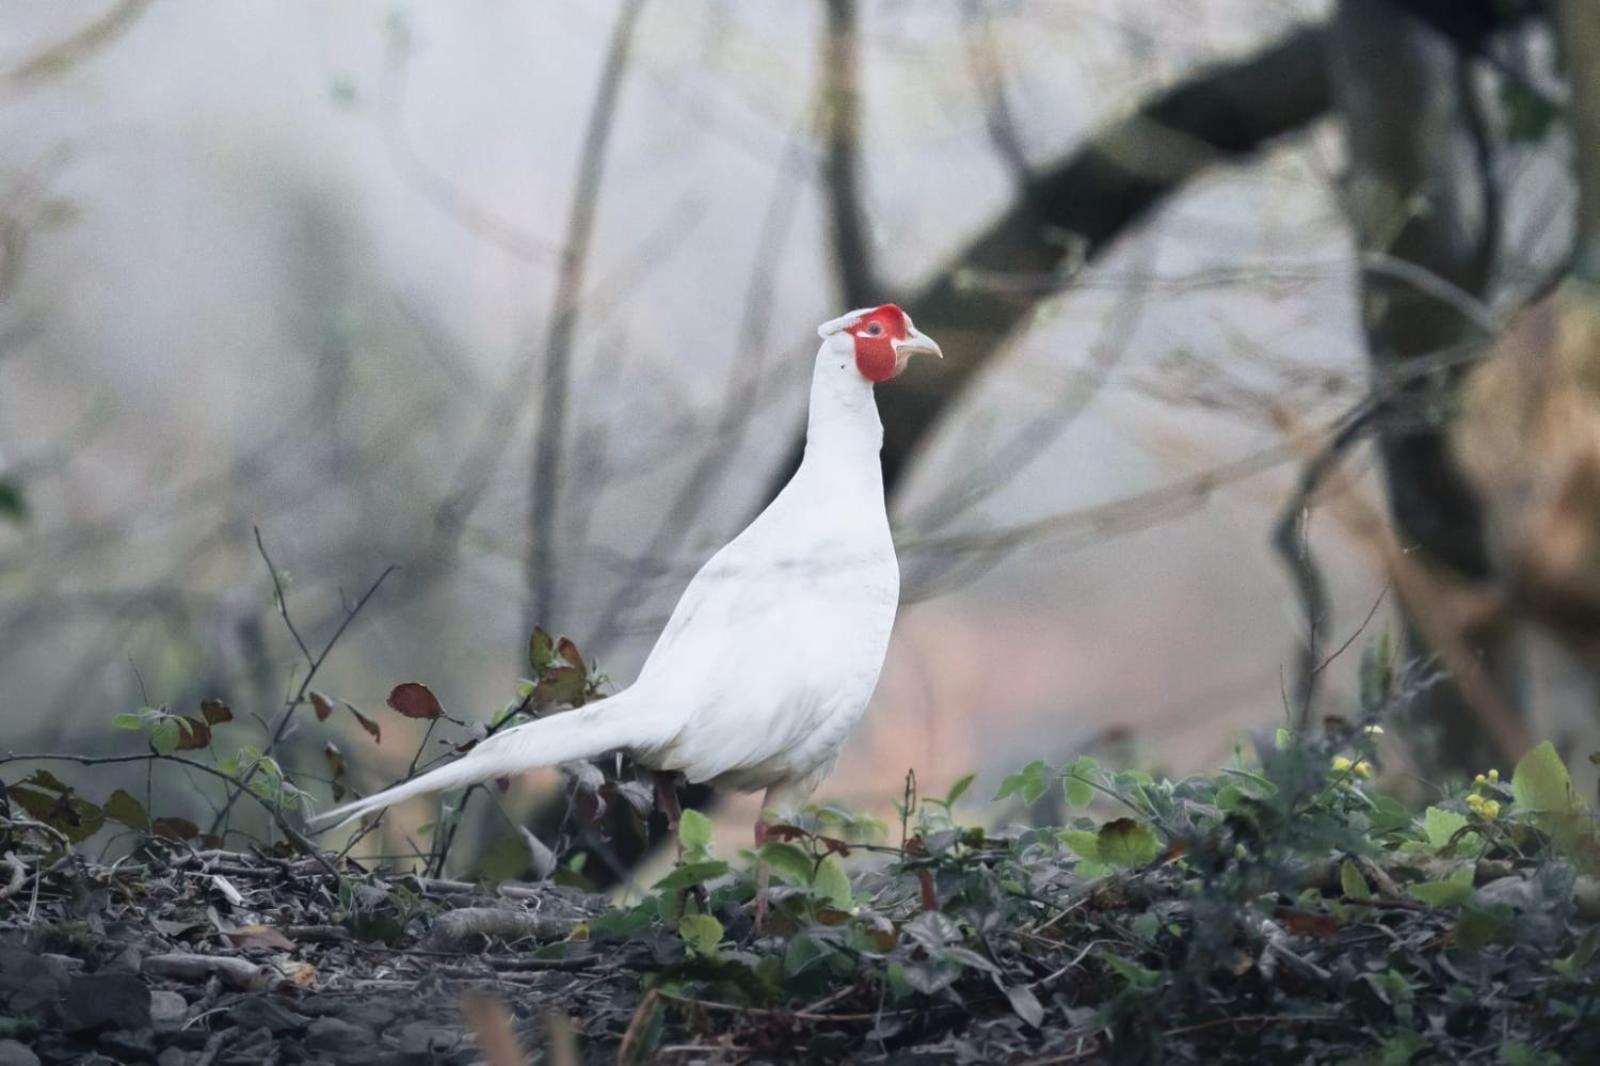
(874, 334)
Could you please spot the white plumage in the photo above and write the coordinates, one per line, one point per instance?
(774, 649)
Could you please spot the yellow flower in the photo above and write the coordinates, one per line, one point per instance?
(1491, 809)
(1480, 781)
(1475, 801)
(1341, 763)
(1362, 768)
(1494, 775)
(1373, 730)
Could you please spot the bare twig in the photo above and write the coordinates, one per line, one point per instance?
(1289, 538)
(64, 55)
(294, 702)
(745, 373)
(988, 75)
(280, 599)
(544, 492)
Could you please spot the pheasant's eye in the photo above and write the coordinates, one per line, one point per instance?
(874, 330)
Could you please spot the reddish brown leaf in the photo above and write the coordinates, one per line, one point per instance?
(174, 828)
(215, 712)
(415, 700)
(1305, 923)
(570, 653)
(193, 734)
(834, 845)
(366, 723)
(321, 704)
(212, 840)
(785, 832)
(930, 899)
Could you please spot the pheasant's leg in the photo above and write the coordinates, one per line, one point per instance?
(667, 797)
(763, 873)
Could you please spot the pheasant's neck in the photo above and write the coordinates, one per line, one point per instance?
(843, 423)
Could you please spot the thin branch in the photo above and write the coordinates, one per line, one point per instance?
(1079, 205)
(280, 599)
(839, 114)
(434, 186)
(61, 57)
(544, 493)
(294, 702)
(988, 75)
(746, 371)
(294, 836)
(1289, 539)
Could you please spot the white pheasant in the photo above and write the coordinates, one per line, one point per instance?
(773, 651)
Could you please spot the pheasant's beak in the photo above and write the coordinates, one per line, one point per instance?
(915, 342)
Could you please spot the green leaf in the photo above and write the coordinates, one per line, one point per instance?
(788, 860)
(701, 932)
(1441, 825)
(507, 860)
(1085, 843)
(620, 924)
(1133, 973)
(1453, 891)
(832, 884)
(1077, 777)
(127, 721)
(165, 735)
(1146, 926)
(1351, 883)
(1540, 782)
(1030, 783)
(959, 789)
(694, 831)
(801, 952)
(1126, 842)
(691, 874)
(541, 650)
(122, 807)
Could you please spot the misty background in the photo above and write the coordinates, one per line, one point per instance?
(298, 268)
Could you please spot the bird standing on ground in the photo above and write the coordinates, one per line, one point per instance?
(773, 651)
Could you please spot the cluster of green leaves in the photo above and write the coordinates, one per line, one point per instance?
(1165, 901)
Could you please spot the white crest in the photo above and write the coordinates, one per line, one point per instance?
(828, 329)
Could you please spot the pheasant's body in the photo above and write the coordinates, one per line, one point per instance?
(773, 652)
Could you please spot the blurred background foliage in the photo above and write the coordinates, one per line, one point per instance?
(1270, 330)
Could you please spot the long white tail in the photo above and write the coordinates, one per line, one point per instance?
(571, 735)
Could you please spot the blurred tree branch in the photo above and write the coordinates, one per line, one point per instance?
(1072, 210)
(544, 492)
(1409, 126)
(839, 113)
(62, 56)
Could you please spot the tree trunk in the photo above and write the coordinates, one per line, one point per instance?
(1420, 193)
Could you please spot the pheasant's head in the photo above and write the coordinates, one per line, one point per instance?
(884, 340)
